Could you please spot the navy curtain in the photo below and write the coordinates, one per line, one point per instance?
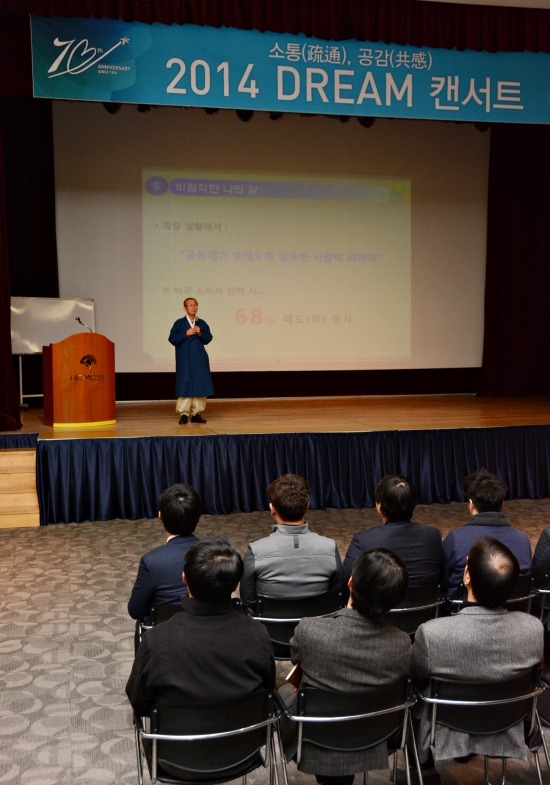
(104, 479)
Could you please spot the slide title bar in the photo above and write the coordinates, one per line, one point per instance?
(188, 65)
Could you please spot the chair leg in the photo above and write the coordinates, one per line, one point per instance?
(544, 747)
(273, 774)
(544, 744)
(138, 755)
(407, 768)
(537, 761)
(411, 737)
(502, 770)
(281, 755)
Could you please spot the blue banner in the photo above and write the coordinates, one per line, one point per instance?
(187, 65)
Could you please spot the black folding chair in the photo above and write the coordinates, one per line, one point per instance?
(420, 604)
(352, 722)
(164, 611)
(484, 710)
(281, 616)
(208, 746)
(158, 614)
(521, 598)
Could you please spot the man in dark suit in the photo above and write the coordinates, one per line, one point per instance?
(210, 654)
(483, 643)
(159, 574)
(352, 650)
(418, 545)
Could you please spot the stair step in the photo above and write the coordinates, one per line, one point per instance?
(18, 499)
(19, 520)
(17, 481)
(17, 460)
(12, 502)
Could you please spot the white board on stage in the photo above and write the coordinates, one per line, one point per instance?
(39, 321)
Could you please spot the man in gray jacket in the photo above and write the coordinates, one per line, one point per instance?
(292, 561)
(352, 650)
(483, 643)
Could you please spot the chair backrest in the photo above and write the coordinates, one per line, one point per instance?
(296, 608)
(222, 742)
(162, 612)
(523, 594)
(483, 709)
(157, 614)
(351, 721)
(419, 604)
(280, 616)
(543, 596)
(521, 598)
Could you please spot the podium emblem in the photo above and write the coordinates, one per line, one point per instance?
(88, 360)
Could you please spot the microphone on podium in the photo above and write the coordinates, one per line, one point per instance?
(79, 320)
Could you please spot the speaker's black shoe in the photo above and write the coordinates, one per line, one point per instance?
(183, 420)
(197, 418)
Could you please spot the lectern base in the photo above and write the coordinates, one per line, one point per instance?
(82, 424)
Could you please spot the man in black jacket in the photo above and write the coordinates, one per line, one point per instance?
(210, 654)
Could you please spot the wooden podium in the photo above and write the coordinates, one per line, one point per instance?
(79, 381)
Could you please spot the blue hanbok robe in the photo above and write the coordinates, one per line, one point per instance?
(193, 379)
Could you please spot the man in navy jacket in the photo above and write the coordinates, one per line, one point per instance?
(159, 574)
(486, 494)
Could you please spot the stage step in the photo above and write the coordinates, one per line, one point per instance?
(18, 498)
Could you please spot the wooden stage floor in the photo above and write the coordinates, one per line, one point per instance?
(308, 415)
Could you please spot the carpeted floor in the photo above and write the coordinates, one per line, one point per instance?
(66, 641)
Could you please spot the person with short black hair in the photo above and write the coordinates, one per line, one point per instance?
(483, 643)
(486, 493)
(292, 561)
(378, 582)
(158, 579)
(418, 545)
(210, 654)
(354, 650)
(491, 572)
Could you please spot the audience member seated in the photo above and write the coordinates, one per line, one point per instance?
(540, 569)
(292, 561)
(353, 650)
(485, 493)
(159, 574)
(417, 545)
(541, 559)
(483, 643)
(210, 654)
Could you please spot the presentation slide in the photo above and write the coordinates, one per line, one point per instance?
(298, 273)
(311, 243)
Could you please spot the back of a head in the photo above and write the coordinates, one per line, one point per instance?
(379, 580)
(289, 495)
(487, 491)
(180, 508)
(493, 571)
(396, 496)
(213, 569)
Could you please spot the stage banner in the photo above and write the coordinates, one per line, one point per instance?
(188, 65)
